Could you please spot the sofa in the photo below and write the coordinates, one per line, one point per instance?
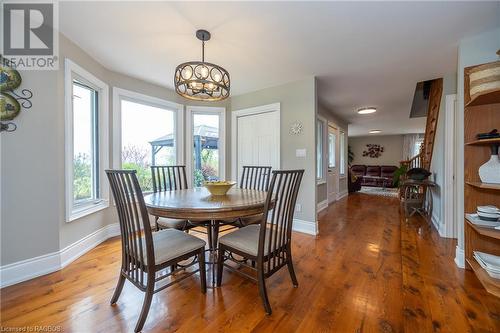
(375, 175)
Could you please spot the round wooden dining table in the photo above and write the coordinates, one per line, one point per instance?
(198, 204)
(201, 208)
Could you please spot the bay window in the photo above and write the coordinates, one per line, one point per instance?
(148, 131)
(86, 142)
(205, 146)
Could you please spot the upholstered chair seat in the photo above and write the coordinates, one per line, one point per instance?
(245, 239)
(171, 243)
(165, 223)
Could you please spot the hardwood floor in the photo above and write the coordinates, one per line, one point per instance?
(368, 271)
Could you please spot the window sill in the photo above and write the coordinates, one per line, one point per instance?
(344, 176)
(87, 210)
(320, 181)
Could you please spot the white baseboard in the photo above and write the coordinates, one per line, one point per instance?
(322, 205)
(305, 227)
(31, 268)
(73, 251)
(460, 257)
(28, 269)
(342, 194)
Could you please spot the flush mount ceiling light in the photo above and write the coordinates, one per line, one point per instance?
(200, 80)
(367, 110)
(375, 131)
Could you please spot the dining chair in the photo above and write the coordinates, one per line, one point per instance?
(254, 178)
(145, 253)
(169, 178)
(269, 243)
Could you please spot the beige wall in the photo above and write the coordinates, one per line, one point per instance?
(393, 149)
(298, 103)
(32, 162)
(32, 175)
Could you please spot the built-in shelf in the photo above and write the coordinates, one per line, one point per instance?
(490, 284)
(483, 142)
(485, 99)
(481, 114)
(489, 232)
(484, 185)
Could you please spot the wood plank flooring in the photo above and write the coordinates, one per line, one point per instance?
(368, 271)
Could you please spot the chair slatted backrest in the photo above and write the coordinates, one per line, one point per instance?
(255, 178)
(283, 192)
(134, 225)
(169, 178)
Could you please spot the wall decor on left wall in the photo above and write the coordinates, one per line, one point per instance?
(11, 101)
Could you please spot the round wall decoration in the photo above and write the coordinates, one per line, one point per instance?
(296, 128)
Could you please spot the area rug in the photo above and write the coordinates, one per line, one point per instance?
(388, 192)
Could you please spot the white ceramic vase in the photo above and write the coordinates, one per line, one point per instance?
(489, 172)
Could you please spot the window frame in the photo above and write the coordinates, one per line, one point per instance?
(324, 162)
(332, 130)
(342, 154)
(73, 71)
(190, 111)
(120, 95)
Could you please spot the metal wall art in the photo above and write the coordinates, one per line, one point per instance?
(10, 100)
(373, 150)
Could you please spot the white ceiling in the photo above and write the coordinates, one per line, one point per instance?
(363, 53)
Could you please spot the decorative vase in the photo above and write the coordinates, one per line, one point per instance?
(489, 172)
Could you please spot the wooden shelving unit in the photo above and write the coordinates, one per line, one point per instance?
(490, 284)
(481, 115)
(484, 142)
(490, 232)
(484, 185)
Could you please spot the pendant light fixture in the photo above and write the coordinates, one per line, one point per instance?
(200, 80)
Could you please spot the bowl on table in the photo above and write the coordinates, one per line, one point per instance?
(219, 187)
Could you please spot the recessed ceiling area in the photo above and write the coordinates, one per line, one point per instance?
(363, 53)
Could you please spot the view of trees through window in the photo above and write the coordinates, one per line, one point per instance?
(84, 145)
(205, 148)
(148, 138)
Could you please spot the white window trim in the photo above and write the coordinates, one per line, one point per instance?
(120, 94)
(335, 129)
(342, 154)
(221, 111)
(324, 147)
(72, 70)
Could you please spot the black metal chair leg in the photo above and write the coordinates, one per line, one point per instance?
(203, 272)
(118, 289)
(262, 290)
(148, 297)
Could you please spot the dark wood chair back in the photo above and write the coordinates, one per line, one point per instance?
(255, 178)
(281, 199)
(169, 178)
(134, 226)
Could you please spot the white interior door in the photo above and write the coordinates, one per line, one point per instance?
(332, 177)
(257, 140)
